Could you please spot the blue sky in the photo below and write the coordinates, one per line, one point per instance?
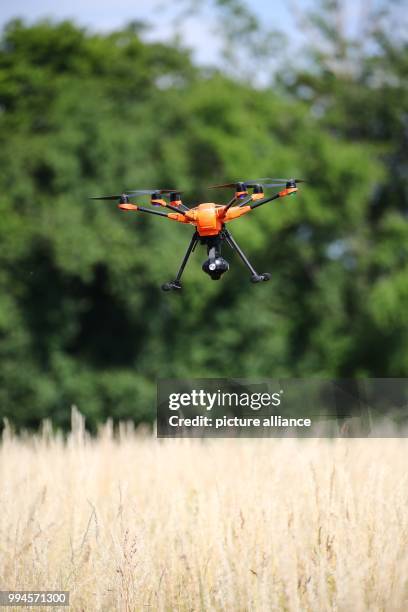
(196, 32)
(106, 15)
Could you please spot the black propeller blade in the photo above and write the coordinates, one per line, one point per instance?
(265, 182)
(255, 183)
(109, 197)
(266, 179)
(223, 185)
(153, 191)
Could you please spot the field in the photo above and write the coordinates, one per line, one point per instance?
(129, 522)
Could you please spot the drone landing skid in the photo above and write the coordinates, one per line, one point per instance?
(172, 286)
(259, 278)
(215, 265)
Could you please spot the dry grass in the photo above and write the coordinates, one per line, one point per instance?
(139, 524)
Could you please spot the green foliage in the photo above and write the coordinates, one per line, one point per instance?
(82, 317)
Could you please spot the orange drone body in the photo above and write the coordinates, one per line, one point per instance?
(209, 217)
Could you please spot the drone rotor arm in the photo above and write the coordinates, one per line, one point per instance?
(176, 206)
(285, 192)
(245, 201)
(231, 202)
(135, 207)
(178, 209)
(181, 207)
(235, 212)
(152, 212)
(257, 203)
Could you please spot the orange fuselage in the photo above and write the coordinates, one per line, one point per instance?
(209, 217)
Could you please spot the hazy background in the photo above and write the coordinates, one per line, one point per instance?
(97, 97)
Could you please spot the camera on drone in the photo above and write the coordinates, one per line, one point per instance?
(215, 267)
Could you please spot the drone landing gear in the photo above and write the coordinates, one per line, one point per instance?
(259, 278)
(255, 278)
(215, 265)
(175, 285)
(172, 285)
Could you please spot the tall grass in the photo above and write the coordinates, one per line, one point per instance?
(129, 522)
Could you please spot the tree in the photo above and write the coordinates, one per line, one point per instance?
(357, 85)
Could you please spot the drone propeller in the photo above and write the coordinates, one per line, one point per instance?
(261, 181)
(266, 179)
(123, 196)
(234, 184)
(153, 191)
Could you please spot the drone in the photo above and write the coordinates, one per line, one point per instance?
(209, 220)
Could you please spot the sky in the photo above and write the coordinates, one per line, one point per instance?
(196, 32)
